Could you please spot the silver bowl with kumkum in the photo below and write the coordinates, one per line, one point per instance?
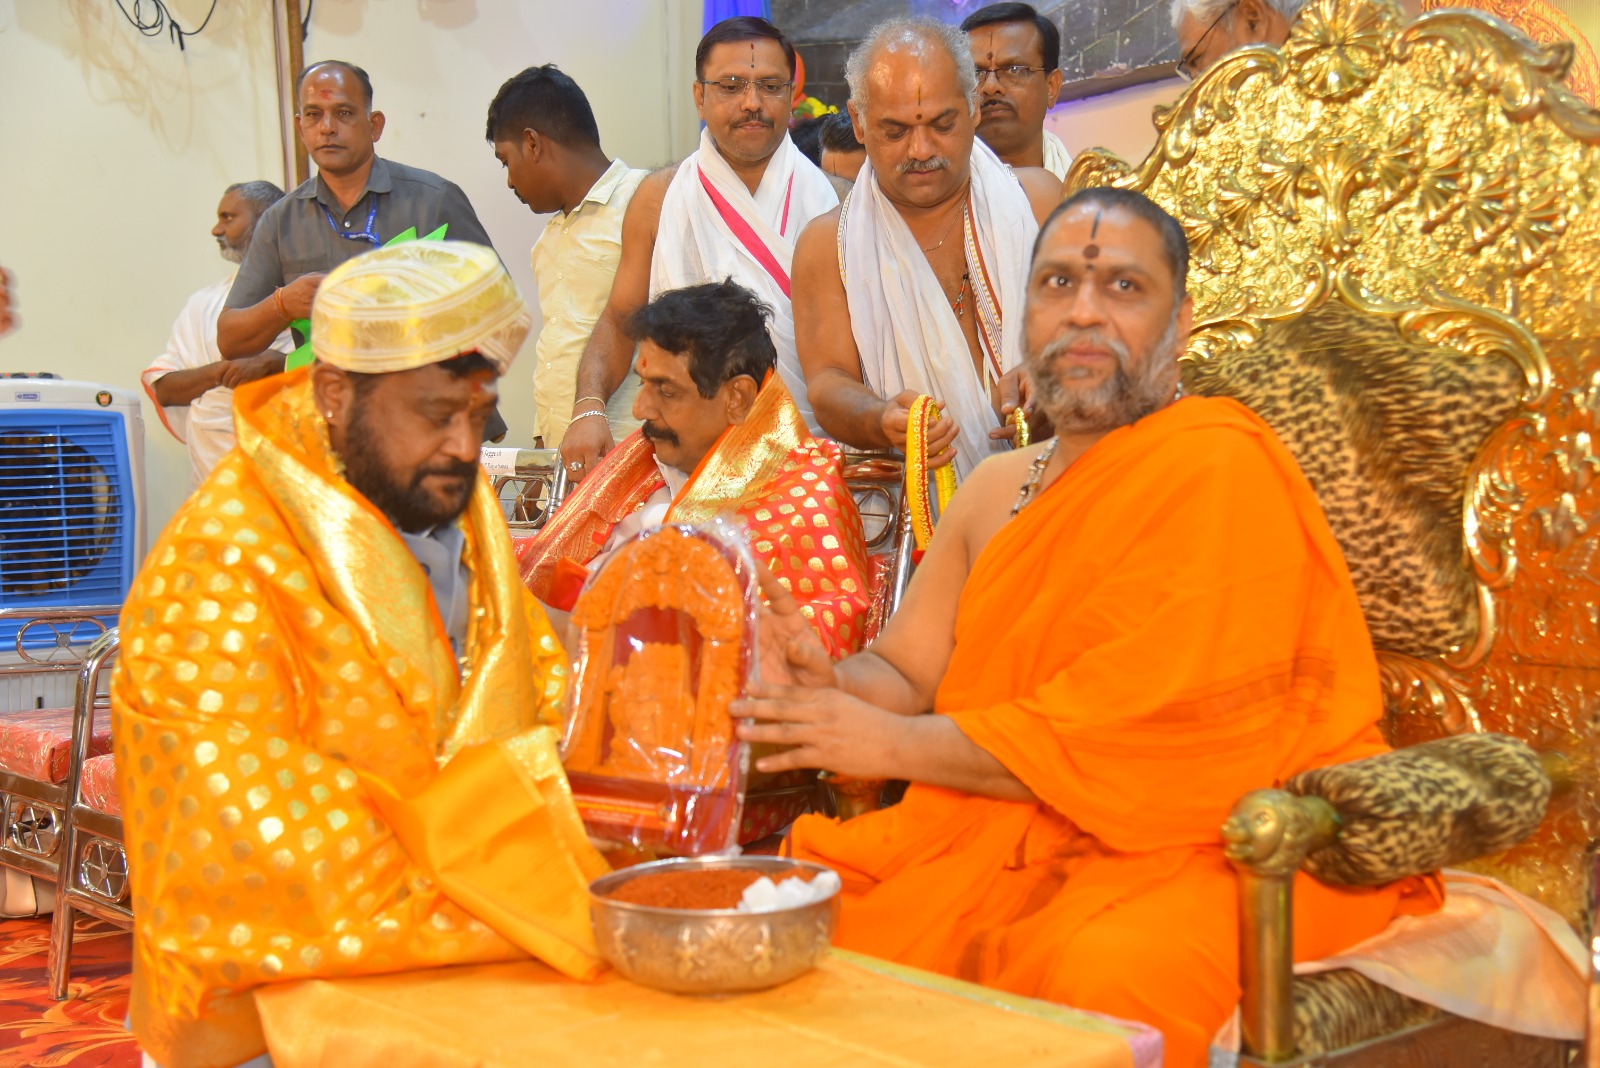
(688, 950)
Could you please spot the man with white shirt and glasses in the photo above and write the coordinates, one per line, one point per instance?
(1017, 54)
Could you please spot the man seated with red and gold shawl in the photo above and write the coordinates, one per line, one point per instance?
(337, 708)
(720, 435)
(1116, 634)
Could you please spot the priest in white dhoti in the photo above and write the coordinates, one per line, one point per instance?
(733, 209)
(914, 287)
(190, 383)
(1017, 55)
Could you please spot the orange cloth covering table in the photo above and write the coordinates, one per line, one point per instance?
(849, 1011)
(1169, 625)
(312, 787)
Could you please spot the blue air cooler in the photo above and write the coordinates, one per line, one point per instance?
(71, 504)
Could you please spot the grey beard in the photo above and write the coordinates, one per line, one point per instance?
(231, 254)
(1118, 401)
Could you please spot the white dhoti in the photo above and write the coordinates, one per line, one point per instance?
(712, 227)
(906, 332)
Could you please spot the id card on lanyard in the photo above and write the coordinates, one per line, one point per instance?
(367, 234)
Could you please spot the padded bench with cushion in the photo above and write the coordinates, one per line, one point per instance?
(99, 786)
(37, 743)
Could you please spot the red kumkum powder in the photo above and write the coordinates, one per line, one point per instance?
(708, 889)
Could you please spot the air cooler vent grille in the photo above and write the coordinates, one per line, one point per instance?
(65, 517)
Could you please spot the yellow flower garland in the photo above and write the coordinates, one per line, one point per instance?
(925, 412)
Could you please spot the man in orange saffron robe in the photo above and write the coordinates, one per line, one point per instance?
(720, 436)
(336, 709)
(1164, 624)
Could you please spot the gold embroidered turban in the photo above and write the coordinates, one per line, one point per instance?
(416, 303)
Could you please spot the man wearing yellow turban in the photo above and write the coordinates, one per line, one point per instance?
(337, 708)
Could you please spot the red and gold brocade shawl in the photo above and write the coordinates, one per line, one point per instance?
(312, 787)
(786, 486)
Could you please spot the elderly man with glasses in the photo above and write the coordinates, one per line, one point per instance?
(731, 210)
(1210, 29)
(1016, 53)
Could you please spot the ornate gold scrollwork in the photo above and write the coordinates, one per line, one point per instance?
(1336, 51)
(1425, 700)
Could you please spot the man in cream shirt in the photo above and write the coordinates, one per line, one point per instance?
(544, 134)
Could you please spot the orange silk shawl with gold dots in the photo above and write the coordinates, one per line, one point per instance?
(312, 786)
(785, 485)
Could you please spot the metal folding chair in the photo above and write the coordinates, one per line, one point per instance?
(92, 877)
(32, 804)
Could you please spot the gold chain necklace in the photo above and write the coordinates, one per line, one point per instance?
(949, 230)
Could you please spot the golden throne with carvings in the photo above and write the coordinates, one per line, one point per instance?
(1395, 259)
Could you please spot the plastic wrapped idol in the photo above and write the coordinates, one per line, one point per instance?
(666, 636)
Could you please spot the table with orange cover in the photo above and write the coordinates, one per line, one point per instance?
(850, 1010)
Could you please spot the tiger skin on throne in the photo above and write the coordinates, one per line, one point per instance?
(721, 436)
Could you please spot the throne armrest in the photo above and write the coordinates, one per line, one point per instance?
(1364, 823)
(1426, 807)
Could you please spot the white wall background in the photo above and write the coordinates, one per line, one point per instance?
(114, 149)
(1118, 121)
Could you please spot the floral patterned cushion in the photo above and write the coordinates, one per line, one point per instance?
(100, 785)
(37, 743)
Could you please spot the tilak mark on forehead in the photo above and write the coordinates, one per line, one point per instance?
(1091, 250)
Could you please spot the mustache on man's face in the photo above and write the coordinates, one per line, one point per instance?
(1075, 337)
(922, 166)
(659, 434)
(462, 469)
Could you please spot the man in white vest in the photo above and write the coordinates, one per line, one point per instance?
(730, 210)
(915, 285)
